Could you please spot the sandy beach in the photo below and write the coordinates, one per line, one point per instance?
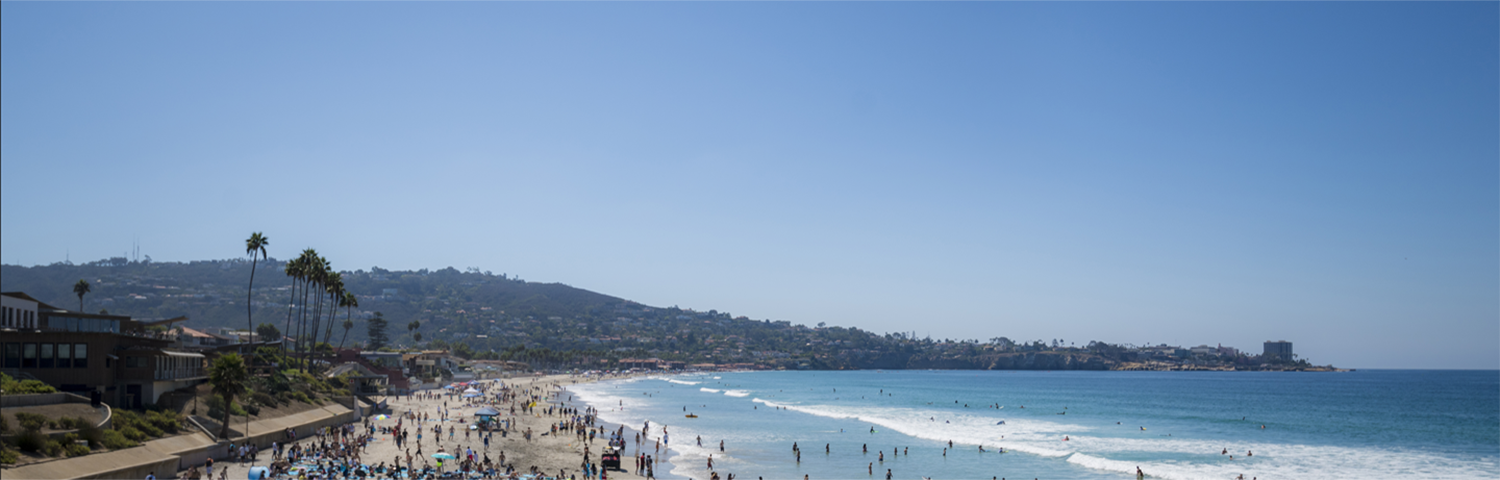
(549, 453)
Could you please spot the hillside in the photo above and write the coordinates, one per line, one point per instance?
(481, 314)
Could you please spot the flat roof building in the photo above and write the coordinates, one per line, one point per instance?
(1281, 349)
(85, 352)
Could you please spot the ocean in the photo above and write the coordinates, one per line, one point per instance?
(1368, 424)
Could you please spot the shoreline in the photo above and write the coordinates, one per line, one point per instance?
(662, 467)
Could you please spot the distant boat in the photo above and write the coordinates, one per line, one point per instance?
(691, 416)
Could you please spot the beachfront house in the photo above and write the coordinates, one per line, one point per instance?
(86, 353)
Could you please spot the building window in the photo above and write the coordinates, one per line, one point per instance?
(64, 355)
(135, 362)
(80, 355)
(47, 357)
(28, 355)
(12, 355)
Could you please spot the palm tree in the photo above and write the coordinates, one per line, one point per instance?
(335, 290)
(294, 270)
(228, 378)
(412, 327)
(349, 302)
(254, 245)
(313, 269)
(81, 288)
(321, 271)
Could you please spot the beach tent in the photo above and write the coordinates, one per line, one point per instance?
(471, 391)
(487, 412)
(472, 395)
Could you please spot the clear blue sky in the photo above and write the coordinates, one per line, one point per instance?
(1187, 173)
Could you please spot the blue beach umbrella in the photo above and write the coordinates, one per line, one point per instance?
(259, 473)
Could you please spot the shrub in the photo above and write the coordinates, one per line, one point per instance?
(253, 409)
(216, 408)
(132, 433)
(8, 456)
(64, 423)
(29, 441)
(87, 431)
(164, 421)
(52, 448)
(13, 387)
(263, 399)
(115, 440)
(31, 421)
(76, 450)
(152, 424)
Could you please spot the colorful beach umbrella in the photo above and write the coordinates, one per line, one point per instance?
(444, 456)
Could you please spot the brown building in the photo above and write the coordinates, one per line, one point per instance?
(84, 352)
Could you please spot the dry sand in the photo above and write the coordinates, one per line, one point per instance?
(549, 453)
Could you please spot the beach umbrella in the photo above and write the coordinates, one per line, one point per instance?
(472, 395)
(471, 391)
(443, 456)
(382, 417)
(259, 473)
(448, 386)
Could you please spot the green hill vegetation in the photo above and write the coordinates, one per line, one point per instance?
(484, 315)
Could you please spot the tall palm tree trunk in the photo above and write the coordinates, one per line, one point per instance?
(291, 304)
(249, 312)
(333, 313)
(302, 326)
(349, 316)
(317, 321)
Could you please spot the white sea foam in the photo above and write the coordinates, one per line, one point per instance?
(1018, 435)
(679, 382)
(709, 390)
(738, 393)
(1044, 438)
